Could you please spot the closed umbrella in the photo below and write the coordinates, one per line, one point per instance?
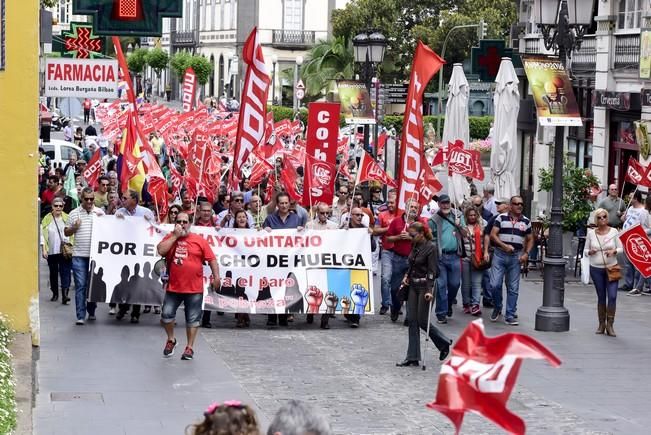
(457, 128)
(503, 151)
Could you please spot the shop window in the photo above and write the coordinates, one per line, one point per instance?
(626, 132)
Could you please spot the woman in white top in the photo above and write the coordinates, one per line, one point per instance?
(602, 246)
(52, 237)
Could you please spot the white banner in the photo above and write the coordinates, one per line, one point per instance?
(84, 78)
(262, 272)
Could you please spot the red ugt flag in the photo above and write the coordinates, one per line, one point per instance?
(481, 374)
(466, 162)
(370, 170)
(637, 247)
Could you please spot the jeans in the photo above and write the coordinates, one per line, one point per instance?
(419, 319)
(386, 261)
(605, 289)
(399, 266)
(506, 265)
(630, 274)
(471, 281)
(192, 302)
(59, 267)
(486, 285)
(80, 268)
(448, 283)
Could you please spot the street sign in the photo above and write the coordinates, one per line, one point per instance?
(300, 93)
(300, 84)
(394, 93)
(128, 17)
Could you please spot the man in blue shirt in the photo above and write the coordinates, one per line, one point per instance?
(281, 219)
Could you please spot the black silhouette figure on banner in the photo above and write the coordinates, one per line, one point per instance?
(228, 290)
(264, 295)
(293, 297)
(240, 293)
(121, 290)
(151, 292)
(97, 292)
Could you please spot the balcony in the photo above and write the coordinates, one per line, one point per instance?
(585, 59)
(184, 39)
(627, 51)
(294, 39)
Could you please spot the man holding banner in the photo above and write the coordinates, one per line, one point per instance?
(185, 254)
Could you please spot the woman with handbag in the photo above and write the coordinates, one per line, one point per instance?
(57, 250)
(420, 279)
(474, 264)
(602, 246)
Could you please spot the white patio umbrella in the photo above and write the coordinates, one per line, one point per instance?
(503, 151)
(456, 127)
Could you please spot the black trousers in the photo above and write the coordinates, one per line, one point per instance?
(419, 309)
(135, 309)
(59, 267)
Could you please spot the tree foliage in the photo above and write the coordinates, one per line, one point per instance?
(201, 66)
(137, 60)
(157, 59)
(49, 3)
(327, 60)
(180, 62)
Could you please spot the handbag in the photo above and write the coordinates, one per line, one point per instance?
(403, 293)
(614, 272)
(66, 247)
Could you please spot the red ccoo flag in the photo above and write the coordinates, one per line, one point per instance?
(481, 374)
(370, 170)
(637, 247)
(251, 128)
(636, 172)
(425, 64)
(93, 169)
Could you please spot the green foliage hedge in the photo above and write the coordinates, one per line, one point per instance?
(479, 125)
(7, 384)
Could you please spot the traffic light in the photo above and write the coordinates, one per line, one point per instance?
(482, 30)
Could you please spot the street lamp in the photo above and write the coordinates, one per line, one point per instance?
(369, 47)
(563, 24)
(298, 63)
(274, 61)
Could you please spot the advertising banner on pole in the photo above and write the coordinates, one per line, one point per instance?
(552, 91)
(321, 146)
(189, 89)
(355, 101)
(84, 78)
(283, 271)
(645, 54)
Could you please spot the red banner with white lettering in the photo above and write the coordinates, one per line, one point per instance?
(637, 248)
(636, 173)
(321, 146)
(466, 162)
(369, 170)
(93, 169)
(250, 129)
(426, 63)
(481, 373)
(189, 89)
(430, 184)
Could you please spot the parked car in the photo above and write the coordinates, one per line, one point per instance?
(59, 151)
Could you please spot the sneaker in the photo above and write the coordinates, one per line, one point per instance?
(79, 322)
(168, 350)
(354, 324)
(495, 315)
(466, 309)
(383, 310)
(92, 317)
(112, 311)
(442, 320)
(511, 321)
(188, 353)
(646, 292)
(635, 292)
(475, 310)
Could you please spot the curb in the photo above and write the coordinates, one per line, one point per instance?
(24, 362)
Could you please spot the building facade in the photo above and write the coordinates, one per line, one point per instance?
(608, 89)
(217, 29)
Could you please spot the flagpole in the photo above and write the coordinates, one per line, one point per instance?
(621, 194)
(196, 200)
(631, 199)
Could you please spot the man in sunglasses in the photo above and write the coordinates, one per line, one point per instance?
(512, 238)
(80, 224)
(226, 219)
(185, 253)
(341, 205)
(101, 194)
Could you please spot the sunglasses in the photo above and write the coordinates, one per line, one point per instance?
(602, 217)
(237, 200)
(174, 212)
(89, 199)
(105, 184)
(517, 203)
(58, 205)
(343, 193)
(182, 222)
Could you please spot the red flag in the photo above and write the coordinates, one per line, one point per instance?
(425, 64)
(637, 248)
(343, 169)
(260, 169)
(288, 177)
(430, 184)
(319, 181)
(297, 126)
(381, 142)
(129, 160)
(176, 180)
(93, 169)
(189, 89)
(466, 162)
(342, 145)
(250, 129)
(443, 154)
(370, 170)
(270, 190)
(124, 71)
(321, 140)
(157, 188)
(481, 374)
(283, 128)
(636, 172)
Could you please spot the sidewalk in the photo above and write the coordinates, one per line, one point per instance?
(109, 377)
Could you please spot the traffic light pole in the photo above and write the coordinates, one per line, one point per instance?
(440, 96)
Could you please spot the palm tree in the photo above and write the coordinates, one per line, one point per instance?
(327, 60)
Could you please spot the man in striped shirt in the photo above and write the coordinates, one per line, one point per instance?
(512, 238)
(80, 224)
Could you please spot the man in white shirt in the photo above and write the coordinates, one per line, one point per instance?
(321, 221)
(636, 214)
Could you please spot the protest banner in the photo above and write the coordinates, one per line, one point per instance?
(322, 135)
(262, 272)
(84, 78)
(189, 89)
(637, 248)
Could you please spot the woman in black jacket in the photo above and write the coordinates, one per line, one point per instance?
(420, 278)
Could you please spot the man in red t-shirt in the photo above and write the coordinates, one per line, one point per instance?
(185, 254)
(386, 257)
(398, 235)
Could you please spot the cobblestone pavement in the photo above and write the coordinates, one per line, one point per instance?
(351, 375)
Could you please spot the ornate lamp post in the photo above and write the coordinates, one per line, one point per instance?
(563, 24)
(274, 61)
(369, 47)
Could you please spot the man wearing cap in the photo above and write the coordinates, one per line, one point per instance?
(502, 206)
(446, 225)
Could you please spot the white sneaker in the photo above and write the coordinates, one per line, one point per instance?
(79, 322)
(635, 292)
(112, 311)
